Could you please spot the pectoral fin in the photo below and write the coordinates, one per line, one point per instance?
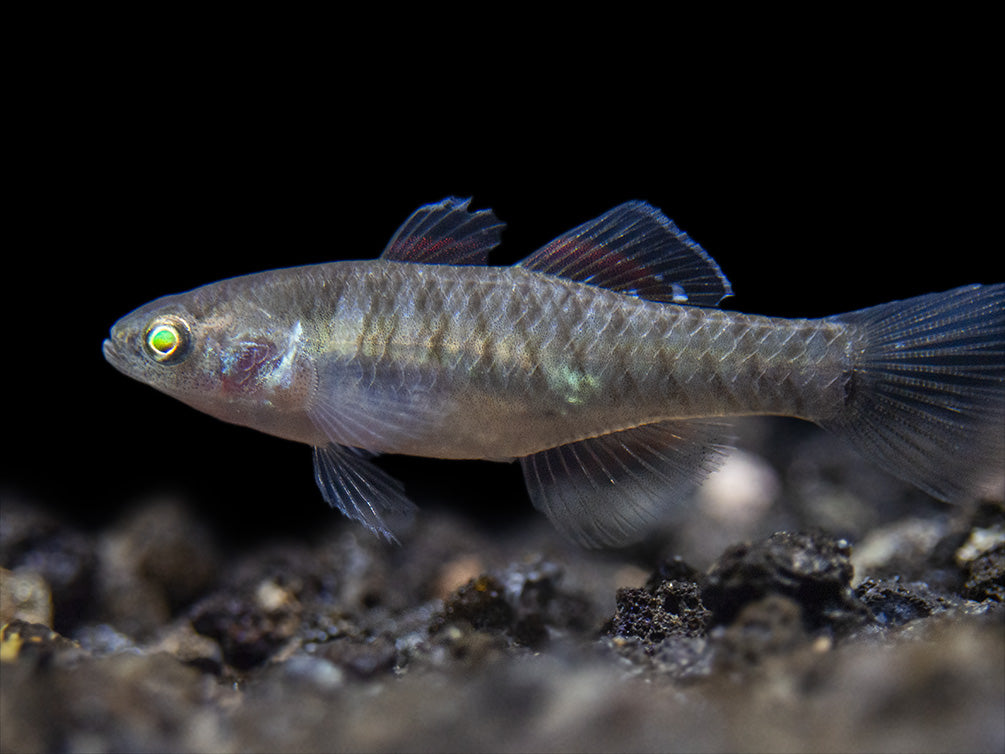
(364, 403)
(350, 482)
(607, 490)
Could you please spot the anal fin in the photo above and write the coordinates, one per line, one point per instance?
(607, 490)
(361, 491)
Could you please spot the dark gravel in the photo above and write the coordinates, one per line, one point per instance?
(827, 621)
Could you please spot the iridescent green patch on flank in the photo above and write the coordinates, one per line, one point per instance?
(573, 385)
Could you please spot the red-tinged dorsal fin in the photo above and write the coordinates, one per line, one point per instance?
(637, 250)
(445, 233)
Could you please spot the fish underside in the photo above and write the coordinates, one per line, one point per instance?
(601, 362)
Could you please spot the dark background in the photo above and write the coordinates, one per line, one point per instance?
(820, 184)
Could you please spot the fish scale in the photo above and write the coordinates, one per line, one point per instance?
(601, 362)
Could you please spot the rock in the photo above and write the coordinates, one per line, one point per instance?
(767, 627)
(156, 560)
(34, 542)
(813, 570)
(24, 595)
(21, 640)
(665, 607)
(526, 602)
(363, 658)
(986, 575)
(248, 635)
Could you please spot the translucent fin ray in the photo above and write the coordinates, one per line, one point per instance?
(926, 398)
(445, 233)
(361, 491)
(362, 403)
(608, 490)
(635, 249)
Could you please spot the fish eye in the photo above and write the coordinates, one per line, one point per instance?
(167, 340)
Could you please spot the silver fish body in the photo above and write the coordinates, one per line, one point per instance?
(600, 362)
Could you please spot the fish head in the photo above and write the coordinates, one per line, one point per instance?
(222, 353)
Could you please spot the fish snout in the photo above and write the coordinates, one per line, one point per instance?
(115, 348)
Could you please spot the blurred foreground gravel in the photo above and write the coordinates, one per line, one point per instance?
(807, 602)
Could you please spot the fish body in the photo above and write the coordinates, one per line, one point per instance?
(601, 362)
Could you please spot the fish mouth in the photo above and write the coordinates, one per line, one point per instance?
(108, 349)
(112, 354)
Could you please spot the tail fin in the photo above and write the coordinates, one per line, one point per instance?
(926, 398)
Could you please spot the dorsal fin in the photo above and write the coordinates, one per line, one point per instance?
(445, 233)
(635, 249)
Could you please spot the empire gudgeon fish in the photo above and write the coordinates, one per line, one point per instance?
(600, 362)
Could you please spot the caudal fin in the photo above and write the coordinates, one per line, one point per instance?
(926, 398)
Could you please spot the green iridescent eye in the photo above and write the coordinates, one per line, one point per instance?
(167, 339)
(163, 339)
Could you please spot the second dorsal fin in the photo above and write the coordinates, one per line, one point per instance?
(637, 250)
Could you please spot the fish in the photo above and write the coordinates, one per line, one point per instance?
(602, 362)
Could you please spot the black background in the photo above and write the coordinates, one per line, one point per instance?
(821, 181)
